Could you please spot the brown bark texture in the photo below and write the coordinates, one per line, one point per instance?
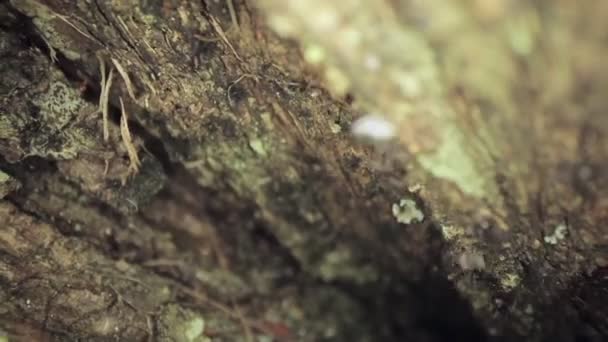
(185, 170)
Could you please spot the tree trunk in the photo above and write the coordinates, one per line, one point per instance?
(185, 170)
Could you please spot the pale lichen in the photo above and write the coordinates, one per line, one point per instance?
(559, 233)
(4, 177)
(451, 162)
(406, 211)
(335, 128)
(194, 328)
(510, 281)
(181, 325)
(8, 184)
(258, 147)
(471, 260)
(59, 133)
(339, 263)
(59, 104)
(451, 232)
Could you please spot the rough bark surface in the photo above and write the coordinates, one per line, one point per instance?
(183, 171)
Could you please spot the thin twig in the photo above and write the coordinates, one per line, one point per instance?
(65, 19)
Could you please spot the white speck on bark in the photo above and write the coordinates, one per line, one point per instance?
(558, 234)
(373, 127)
(407, 212)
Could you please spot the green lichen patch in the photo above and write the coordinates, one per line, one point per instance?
(340, 264)
(42, 114)
(406, 212)
(180, 325)
(257, 146)
(223, 283)
(8, 184)
(452, 163)
(510, 281)
(59, 104)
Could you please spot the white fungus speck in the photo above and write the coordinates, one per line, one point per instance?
(372, 62)
(373, 127)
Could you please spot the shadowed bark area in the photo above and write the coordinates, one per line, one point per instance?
(184, 171)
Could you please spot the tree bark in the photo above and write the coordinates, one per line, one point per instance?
(184, 171)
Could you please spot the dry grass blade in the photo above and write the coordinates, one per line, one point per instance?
(102, 72)
(233, 15)
(127, 140)
(125, 76)
(72, 25)
(104, 96)
(106, 105)
(218, 29)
